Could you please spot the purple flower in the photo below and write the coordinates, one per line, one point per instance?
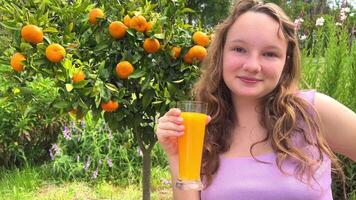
(95, 173)
(107, 128)
(53, 151)
(109, 161)
(298, 22)
(66, 133)
(51, 154)
(56, 149)
(87, 164)
(82, 122)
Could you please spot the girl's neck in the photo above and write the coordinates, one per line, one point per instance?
(248, 112)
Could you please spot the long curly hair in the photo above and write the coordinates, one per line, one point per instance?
(282, 108)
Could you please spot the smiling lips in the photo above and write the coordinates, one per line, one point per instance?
(249, 80)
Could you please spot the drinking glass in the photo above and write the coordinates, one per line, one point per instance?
(190, 145)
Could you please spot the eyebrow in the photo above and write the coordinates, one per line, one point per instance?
(274, 47)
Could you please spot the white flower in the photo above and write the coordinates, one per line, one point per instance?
(352, 14)
(338, 24)
(320, 21)
(346, 9)
(298, 23)
(343, 16)
(303, 37)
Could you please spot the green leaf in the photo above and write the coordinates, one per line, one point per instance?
(81, 84)
(137, 74)
(61, 105)
(26, 90)
(82, 104)
(9, 27)
(50, 30)
(101, 47)
(111, 87)
(188, 10)
(147, 98)
(178, 81)
(159, 36)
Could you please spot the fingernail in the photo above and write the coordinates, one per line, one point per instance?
(181, 127)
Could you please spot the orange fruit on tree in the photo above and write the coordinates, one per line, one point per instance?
(127, 21)
(117, 29)
(16, 61)
(110, 106)
(32, 33)
(55, 53)
(176, 52)
(201, 38)
(197, 53)
(151, 45)
(124, 69)
(94, 14)
(78, 76)
(149, 26)
(138, 23)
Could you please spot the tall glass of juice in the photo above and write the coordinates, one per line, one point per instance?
(190, 145)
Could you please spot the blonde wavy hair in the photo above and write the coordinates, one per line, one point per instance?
(281, 107)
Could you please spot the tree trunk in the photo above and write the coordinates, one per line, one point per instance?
(146, 174)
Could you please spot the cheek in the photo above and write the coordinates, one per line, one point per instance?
(273, 72)
(230, 63)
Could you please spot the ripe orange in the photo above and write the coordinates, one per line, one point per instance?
(138, 23)
(197, 52)
(16, 62)
(94, 14)
(201, 38)
(31, 33)
(151, 45)
(127, 21)
(117, 29)
(176, 52)
(149, 26)
(55, 53)
(78, 76)
(110, 106)
(124, 69)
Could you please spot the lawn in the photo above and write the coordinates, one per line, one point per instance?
(32, 183)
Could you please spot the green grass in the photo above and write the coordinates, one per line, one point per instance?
(33, 184)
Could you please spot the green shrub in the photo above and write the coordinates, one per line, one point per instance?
(27, 125)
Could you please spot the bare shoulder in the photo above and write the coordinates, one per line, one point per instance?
(338, 124)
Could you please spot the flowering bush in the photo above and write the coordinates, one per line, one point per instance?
(89, 150)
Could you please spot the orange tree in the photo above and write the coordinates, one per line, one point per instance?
(128, 61)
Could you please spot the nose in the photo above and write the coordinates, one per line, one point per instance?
(252, 63)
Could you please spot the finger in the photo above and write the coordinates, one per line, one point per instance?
(164, 134)
(173, 112)
(170, 126)
(174, 119)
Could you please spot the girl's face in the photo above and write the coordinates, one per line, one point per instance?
(254, 55)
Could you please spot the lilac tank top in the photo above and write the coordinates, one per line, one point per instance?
(243, 178)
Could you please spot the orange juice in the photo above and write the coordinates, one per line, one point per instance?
(190, 145)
